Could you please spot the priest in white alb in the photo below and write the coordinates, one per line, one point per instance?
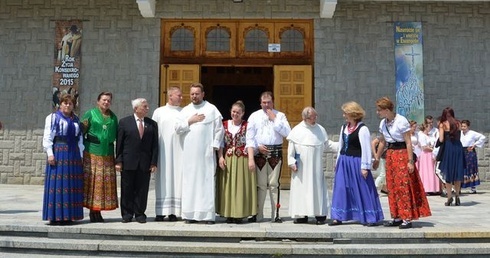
(308, 193)
(168, 180)
(202, 132)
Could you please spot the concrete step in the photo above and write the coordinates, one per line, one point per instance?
(232, 242)
(133, 248)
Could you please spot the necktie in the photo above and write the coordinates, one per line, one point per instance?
(140, 127)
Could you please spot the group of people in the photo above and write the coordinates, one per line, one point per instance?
(206, 166)
(80, 169)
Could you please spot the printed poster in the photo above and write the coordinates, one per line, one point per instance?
(409, 72)
(67, 60)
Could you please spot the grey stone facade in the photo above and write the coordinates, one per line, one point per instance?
(121, 50)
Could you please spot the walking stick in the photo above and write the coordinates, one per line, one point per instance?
(278, 204)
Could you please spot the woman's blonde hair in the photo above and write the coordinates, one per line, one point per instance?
(354, 110)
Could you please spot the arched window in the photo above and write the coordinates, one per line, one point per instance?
(256, 40)
(182, 40)
(218, 40)
(292, 40)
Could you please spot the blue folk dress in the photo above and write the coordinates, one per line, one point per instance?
(354, 198)
(63, 184)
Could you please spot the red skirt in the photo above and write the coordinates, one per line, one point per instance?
(406, 192)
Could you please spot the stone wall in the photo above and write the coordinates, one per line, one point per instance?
(120, 53)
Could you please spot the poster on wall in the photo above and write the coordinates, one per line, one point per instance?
(409, 72)
(67, 60)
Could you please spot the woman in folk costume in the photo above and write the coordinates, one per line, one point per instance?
(426, 162)
(63, 185)
(236, 184)
(355, 196)
(406, 193)
(100, 130)
(470, 140)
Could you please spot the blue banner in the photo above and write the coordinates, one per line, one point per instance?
(409, 72)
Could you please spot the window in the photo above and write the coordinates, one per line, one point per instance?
(182, 40)
(218, 40)
(292, 40)
(256, 40)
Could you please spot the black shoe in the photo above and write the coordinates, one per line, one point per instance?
(98, 217)
(172, 217)
(449, 202)
(278, 220)
(303, 220)
(230, 220)
(320, 222)
(160, 217)
(253, 218)
(371, 225)
(393, 223)
(457, 202)
(92, 217)
(210, 222)
(238, 221)
(141, 219)
(190, 221)
(54, 223)
(66, 223)
(126, 220)
(405, 225)
(335, 223)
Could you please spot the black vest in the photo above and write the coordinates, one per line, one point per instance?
(351, 145)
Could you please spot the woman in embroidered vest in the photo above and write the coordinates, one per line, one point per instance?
(100, 130)
(236, 184)
(355, 196)
(63, 184)
(406, 196)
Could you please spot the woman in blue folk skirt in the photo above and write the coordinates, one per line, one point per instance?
(63, 185)
(355, 196)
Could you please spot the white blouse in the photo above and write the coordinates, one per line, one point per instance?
(49, 135)
(394, 131)
(472, 138)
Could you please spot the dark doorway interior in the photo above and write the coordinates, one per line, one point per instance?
(226, 95)
(225, 85)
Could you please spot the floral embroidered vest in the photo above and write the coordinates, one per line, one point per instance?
(235, 145)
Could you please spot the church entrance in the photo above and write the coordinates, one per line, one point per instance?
(238, 60)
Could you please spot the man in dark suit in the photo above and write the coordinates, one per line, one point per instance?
(136, 158)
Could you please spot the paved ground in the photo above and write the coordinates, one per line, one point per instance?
(21, 205)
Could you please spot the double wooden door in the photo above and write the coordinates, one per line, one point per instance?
(292, 89)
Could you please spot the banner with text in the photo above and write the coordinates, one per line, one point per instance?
(409, 72)
(67, 60)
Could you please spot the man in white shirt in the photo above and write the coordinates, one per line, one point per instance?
(266, 129)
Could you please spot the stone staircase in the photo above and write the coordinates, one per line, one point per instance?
(265, 240)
